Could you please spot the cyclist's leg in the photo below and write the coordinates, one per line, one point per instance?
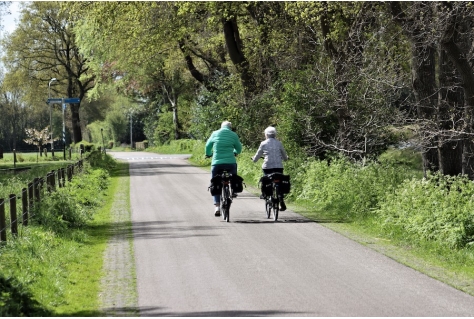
(216, 198)
(234, 172)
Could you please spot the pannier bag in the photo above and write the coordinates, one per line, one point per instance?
(266, 185)
(285, 185)
(237, 184)
(216, 185)
(283, 182)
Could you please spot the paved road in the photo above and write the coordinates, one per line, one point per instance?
(190, 263)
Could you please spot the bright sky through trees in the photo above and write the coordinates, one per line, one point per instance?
(9, 21)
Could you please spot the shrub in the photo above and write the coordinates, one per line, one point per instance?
(350, 189)
(71, 206)
(439, 209)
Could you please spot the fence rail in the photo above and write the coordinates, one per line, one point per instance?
(31, 197)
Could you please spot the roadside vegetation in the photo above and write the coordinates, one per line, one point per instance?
(425, 223)
(54, 266)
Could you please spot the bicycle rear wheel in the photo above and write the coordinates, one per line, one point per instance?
(225, 200)
(268, 208)
(275, 212)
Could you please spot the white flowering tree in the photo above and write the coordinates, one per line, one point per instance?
(38, 138)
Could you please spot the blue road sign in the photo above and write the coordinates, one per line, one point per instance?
(72, 100)
(54, 101)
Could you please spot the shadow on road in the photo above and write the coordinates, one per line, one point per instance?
(149, 169)
(160, 229)
(159, 312)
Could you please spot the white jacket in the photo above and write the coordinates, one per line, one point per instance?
(273, 152)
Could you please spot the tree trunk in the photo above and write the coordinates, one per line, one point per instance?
(450, 102)
(457, 54)
(424, 86)
(76, 123)
(235, 50)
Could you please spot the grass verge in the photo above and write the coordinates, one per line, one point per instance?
(43, 273)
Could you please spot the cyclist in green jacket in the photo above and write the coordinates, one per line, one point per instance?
(223, 145)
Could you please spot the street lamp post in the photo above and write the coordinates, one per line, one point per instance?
(131, 131)
(51, 115)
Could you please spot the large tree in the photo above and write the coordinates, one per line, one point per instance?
(44, 47)
(443, 80)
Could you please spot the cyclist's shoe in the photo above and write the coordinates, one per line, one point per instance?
(234, 195)
(217, 213)
(282, 206)
(262, 196)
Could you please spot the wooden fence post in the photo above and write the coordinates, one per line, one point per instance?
(31, 192)
(48, 182)
(14, 158)
(63, 181)
(41, 186)
(13, 215)
(3, 223)
(53, 180)
(24, 203)
(36, 189)
(61, 177)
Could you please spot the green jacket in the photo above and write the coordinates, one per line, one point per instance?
(221, 145)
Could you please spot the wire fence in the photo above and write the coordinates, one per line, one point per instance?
(30, 198)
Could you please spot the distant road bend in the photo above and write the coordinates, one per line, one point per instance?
(190, 263)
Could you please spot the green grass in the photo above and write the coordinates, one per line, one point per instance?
(44, 273)
(26, 159)
(86, 273)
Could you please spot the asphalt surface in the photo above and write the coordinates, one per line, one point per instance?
(190, 263)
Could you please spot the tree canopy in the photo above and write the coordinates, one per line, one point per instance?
(334, 77)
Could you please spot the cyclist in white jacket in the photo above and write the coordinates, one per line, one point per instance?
(274, 154)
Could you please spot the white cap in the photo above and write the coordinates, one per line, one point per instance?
(270, 130)
(226, 124)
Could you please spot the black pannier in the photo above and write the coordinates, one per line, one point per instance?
(285, 185)
(266, 185)
(237, 184)
(283, 182)
(216, 185)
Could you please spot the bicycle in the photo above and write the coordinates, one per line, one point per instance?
(226, 192)
(272, 201)
(226, 195)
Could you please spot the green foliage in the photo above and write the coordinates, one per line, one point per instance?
(50, 269)
(16, 300)
(72, 206)
(212, 108)
(164, 130)
(440, 209)
(351, 190)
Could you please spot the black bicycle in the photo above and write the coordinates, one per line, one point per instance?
(225, 179)
(273, 195)
(226, 195)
